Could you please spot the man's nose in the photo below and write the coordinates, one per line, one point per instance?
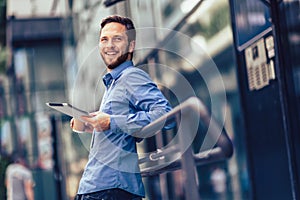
(110, 43)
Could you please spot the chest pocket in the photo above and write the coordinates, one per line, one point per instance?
(116, 102)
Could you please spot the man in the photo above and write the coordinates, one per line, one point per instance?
(131, 101)
(18, 180)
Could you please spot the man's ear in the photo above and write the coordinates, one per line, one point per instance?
(131, 46)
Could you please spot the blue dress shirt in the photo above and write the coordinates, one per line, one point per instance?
(133, 101)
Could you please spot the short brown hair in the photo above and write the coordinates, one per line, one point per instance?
(127, 22)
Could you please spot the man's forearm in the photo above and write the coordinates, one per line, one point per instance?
(132, 123)
(29, 190)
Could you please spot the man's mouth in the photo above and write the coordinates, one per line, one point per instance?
(111, 53)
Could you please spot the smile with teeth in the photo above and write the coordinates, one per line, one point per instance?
(111, 53)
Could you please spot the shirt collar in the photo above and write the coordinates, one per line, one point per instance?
(115, 73)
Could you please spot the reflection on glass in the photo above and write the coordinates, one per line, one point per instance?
(6, 138)
(251, 21)
(44, 142)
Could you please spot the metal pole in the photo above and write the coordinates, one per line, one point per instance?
(187, 158)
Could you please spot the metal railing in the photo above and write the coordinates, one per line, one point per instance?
(181, 155)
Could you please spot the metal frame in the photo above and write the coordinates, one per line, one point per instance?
(190, 111)
(170, 35)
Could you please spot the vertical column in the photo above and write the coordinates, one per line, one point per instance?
(187, 160)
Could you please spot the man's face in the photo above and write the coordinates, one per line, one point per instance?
(114, 46)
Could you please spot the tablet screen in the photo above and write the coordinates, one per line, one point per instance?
(68, 109)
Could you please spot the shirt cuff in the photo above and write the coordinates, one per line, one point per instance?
(117, 122)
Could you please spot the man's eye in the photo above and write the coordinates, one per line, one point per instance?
(103, 40)
(117, 39)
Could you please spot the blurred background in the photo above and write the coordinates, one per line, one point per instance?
(48, 53)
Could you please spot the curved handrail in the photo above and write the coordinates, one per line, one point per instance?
(222, 150)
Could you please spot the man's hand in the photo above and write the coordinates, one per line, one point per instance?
(99, 120)
(79, 126)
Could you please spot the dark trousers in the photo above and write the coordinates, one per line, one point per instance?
(111, 194)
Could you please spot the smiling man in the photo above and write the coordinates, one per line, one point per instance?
(115, 46)
(131, 101)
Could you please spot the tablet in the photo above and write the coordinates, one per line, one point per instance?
(68, 109)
